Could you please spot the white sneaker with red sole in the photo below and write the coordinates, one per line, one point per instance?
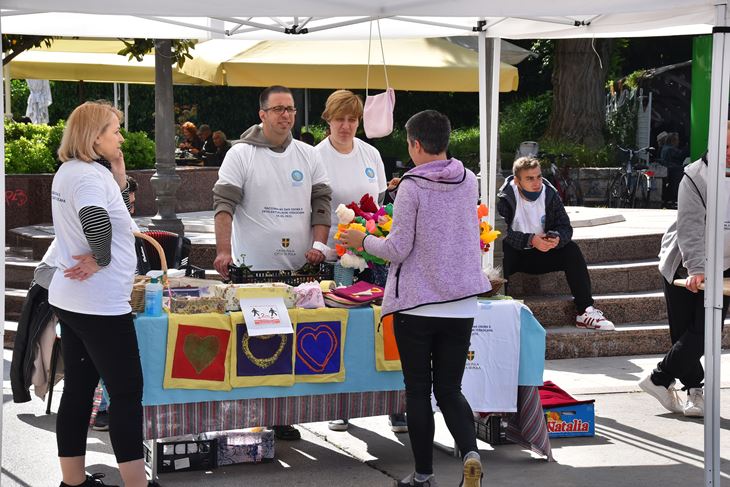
(593, 319)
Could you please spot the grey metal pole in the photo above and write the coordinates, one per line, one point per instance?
(2, 247)
(714, 230)
(165, 180)
(489, 62)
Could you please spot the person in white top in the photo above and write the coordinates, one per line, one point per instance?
(539, 238)
(272, 197)
(354, 167)
(90, 291)
(272, 200)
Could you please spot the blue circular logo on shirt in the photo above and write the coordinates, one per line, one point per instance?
(369, 172)
(297, 175)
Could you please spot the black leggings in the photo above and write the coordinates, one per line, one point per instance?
(95, 346)
(433, 352)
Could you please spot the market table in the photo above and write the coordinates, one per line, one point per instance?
(364, 392)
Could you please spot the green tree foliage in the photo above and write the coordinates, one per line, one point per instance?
(15, 44)
(33, 148)
(139, 150)
(138, 48)
(523, 120)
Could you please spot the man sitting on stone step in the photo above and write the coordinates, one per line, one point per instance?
(539, 237)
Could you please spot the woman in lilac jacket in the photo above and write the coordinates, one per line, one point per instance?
(435, 276)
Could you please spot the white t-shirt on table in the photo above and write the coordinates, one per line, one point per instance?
(351, 175)
(78, 184)
(529, 215)
(272, 225)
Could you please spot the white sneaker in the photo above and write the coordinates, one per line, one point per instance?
(338, 425)
(593, 319)
(695, 405)
(667, 396)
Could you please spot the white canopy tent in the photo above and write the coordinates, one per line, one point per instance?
(348, 19)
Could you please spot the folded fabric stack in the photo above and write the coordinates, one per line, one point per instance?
(359, 294)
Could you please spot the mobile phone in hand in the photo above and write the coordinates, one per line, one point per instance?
(552, 234)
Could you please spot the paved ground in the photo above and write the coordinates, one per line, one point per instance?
(588, 223)
(636, 444)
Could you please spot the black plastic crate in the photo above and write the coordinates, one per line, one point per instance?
(309, 273)
(492, 429)
(181, 455)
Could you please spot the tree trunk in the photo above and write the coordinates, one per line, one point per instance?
(579, 81)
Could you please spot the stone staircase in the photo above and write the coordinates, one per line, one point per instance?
(626, 286)
(625, 281)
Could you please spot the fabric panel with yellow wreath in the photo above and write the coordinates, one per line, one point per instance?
(266, 360)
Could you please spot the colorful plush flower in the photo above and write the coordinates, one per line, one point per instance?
(367, 218)
(486, 234)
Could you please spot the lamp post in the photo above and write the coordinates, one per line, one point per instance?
(165, 180)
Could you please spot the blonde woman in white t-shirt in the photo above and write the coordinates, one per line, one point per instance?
(90, 290)
(354, 168)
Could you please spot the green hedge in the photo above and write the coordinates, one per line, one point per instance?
(32, 148)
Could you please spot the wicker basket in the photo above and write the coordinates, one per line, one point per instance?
(496, 287)
(137, 298)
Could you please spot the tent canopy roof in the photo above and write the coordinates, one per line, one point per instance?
(400, 18)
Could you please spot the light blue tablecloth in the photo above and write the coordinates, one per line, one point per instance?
(360, 372)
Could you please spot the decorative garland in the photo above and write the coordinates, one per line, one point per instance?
(262, 363)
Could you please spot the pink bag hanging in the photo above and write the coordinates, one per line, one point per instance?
(377, 118)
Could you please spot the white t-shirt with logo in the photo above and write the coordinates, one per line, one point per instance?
(351, 175)
(529, 215)
(272, 225)
(78, 184)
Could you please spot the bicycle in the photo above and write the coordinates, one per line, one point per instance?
(631, 187)
(559, 176)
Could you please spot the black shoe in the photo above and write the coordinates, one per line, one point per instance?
(101, 422)
(286, 432)
(93, 480)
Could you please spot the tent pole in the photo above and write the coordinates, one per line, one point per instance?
(126, 107)
(714, 230)
(306, 109)
(8, 91)
(2, 247)
(488, 125)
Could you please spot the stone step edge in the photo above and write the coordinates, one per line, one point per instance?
(596, 297)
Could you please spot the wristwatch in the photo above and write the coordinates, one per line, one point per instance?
(321, 247)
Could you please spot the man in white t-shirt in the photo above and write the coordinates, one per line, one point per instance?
(272, 198)
(539, 238)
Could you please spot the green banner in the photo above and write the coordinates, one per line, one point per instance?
(700, 103)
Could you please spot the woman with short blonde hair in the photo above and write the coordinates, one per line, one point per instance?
(95, 263)
(83, 126)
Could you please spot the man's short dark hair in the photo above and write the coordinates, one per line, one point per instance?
(431, 129)
(264, 96)
(204, 128)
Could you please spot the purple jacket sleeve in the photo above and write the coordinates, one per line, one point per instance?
(399, 242)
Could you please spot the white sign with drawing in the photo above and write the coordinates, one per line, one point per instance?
(266, 316)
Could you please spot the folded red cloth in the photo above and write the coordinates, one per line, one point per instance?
(552, 396)
(361, 291)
